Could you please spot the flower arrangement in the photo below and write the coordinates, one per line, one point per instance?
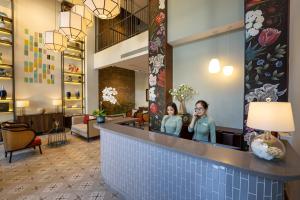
(109, 94)
(182, 93)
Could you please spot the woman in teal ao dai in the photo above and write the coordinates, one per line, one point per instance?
(171, 123)
(203, 126)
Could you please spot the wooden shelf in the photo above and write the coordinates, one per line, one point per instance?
(74, 108)
(5, 77)
(73, 99)
(73, 57)
(6, 19)
(74, 48)
(6, 100)
(5, 66)
(73, 74)
(5, 31)
(5, 43)
(73, 83)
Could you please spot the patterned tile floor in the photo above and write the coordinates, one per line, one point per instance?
(68, 172)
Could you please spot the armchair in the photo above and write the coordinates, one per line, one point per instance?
(19, 138)
(85, 130)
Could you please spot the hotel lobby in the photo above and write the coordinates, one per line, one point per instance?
(149, 100)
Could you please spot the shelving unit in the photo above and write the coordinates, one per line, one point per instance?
(7, 74)
(73, 78)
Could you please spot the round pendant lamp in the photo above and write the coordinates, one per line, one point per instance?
(75, 2)
(84, 13)
(104, 9)
(72, 25)
(54, 40)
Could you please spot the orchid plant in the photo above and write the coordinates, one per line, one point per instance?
(109, 94)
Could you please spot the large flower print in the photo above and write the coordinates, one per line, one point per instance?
(160, 18)
(157, 61)
(264, 92)
(152, 80)
(162, 4)
(152, 95)
(254, 22)
(268, 36)
(161, 78)
(154, 45)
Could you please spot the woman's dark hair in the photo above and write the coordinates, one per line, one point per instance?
(173, 105)
(203, 103)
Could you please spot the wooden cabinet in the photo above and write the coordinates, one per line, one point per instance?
(42, 123)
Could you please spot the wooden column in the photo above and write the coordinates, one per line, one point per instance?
(160, 63)
(266, 52)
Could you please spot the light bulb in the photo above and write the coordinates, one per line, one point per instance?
(214, 66)
(227, 70)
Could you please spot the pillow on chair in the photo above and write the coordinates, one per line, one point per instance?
(86, 119)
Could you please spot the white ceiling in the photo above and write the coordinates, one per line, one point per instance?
(139, 63)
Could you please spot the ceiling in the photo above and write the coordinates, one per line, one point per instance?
(139, 63)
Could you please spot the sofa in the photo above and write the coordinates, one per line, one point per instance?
(84, 127)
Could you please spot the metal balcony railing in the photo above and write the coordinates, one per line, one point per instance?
(124, 29)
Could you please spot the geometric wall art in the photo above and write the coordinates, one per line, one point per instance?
(39, 64)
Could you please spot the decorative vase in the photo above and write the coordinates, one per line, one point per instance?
(268, 147)
(68, 95)
(77, 94)
(182, 108)
(3, 93)
(100, 119)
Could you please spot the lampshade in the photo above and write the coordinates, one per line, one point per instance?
(227, 70)
(54, 40)
(72, 25)
(75, 2)
(271, 116)
(214, 66)
(104, 9)
(85, 13)
(56, 102)
(22, 103)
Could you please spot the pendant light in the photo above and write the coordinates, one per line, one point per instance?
(85, 13)
(75, 2)
(54, 40)
(72, 25)
(104, 9)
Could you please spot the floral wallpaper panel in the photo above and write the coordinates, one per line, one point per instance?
(157, 61)
(266, 51)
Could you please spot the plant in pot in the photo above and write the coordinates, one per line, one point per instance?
(100, 115)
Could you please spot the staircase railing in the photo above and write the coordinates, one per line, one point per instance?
(124, 29)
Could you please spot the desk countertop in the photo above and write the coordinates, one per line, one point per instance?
(285, 170)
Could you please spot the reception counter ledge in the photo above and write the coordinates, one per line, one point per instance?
(143, 165)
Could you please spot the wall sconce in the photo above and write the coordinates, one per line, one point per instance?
(227, 70)
(214, 66)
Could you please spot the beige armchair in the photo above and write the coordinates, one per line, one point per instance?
(19, 138)
(85, 130)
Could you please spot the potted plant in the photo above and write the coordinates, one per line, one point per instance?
(100, 115)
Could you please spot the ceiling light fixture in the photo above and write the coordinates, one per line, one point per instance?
(104, 9)
(84, 13)
(72, 25)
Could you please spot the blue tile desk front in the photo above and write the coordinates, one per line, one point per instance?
(144, 165)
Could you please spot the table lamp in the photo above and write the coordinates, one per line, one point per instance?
(22, 104)
(56, 103)
(270, 116)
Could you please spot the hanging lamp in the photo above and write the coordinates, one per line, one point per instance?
(72, 25)
(104, 9)
(54, 40)
(75, 2)
(84, 13)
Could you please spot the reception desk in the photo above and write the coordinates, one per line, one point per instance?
(143, 165)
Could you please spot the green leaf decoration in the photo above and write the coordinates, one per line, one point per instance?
(256, 77)
(266, 66)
